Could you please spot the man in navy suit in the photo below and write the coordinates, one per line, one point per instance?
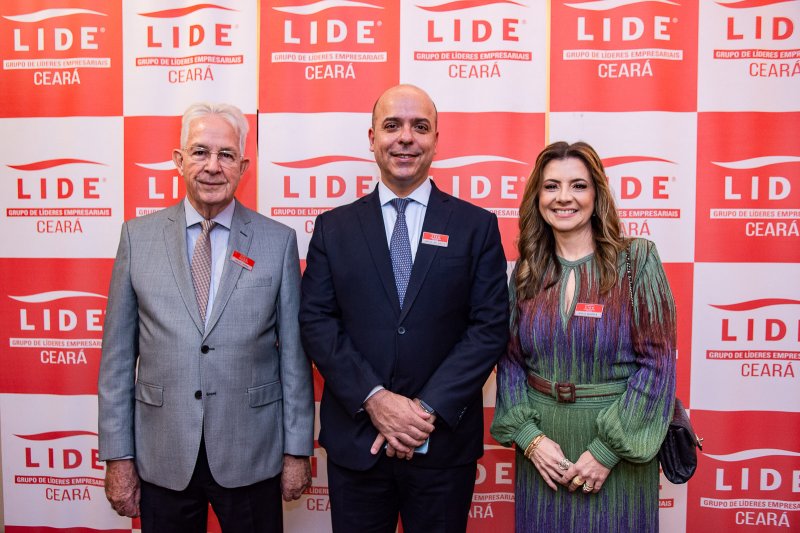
(404, 310)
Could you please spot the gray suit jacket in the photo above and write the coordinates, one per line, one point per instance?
(244, 383)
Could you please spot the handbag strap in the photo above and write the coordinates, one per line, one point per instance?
(630, 273)
(698, 441)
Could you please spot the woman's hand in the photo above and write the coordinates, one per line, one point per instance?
(546, 458)
(587, 474)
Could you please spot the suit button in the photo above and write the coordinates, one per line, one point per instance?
(198, 394)
(401, 330)
(204, 348)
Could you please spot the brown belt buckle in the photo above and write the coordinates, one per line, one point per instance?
(565, 392)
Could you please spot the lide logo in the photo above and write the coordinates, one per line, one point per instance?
(177, 36)
(756, 197)
(53, 461)
(55, 57)
(750, 483)
(58, 195)
(41, 34)
(54, 328)
(60, 325)
(757, 334)
(336, 49)
(625, 46)
(643, 197)
(747, 187)
(189, 41)
(766, 40)
(475, 43)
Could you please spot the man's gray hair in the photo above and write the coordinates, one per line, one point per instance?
(229, 112)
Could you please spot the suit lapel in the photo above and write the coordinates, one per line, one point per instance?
(240, 237)
(175, 239)
(371, 222)
(437, 216)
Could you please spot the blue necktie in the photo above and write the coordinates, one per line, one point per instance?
(400, 249)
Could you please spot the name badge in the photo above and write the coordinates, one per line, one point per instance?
(242, 260)
(589, 310)
(436, 239)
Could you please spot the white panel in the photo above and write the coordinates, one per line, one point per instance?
(484, 58)
(650, 160)
(746, 345)
(61, 186)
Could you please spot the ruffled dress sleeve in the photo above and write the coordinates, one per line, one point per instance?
(515, 419)
(633, 427)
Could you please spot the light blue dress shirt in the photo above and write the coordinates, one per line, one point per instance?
(415, 212)
(219, 243)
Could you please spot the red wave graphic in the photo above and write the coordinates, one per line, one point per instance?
(756, 304)
(317, 161)
(180, 12)
(53, 435)
(744, 4)
(614, 161)
(50, 163)
(466, 4)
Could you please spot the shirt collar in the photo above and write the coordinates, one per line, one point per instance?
(421, 194)
(224, 218)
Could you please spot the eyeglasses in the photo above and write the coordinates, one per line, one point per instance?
(225, 158)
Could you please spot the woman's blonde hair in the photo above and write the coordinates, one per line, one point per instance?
(536, 244)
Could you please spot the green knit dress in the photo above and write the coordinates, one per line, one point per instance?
(623, 432)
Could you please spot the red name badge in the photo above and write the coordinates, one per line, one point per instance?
(242, 260)
(436, 239)
(589, 310)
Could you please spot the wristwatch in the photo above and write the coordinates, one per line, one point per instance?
(427, 408)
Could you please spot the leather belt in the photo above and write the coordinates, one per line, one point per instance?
(569, 392)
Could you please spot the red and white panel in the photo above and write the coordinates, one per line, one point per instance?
(53, 312)
(185, 53)
(302, 179)
(475, 56)
(651, 170)
(746, 345)
(612, 55)
(52, 476)
(748, 187)
(747, 479)
(485, 159)
(748, 50)
(58, 56)
(327, 56)
(61, 186)
(151, 180)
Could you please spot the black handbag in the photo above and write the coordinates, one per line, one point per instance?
(678, 452)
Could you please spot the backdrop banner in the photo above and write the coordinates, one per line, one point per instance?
(694, 107)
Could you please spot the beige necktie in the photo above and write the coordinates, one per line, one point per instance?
(201, 267)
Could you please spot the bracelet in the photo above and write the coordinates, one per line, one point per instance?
(532, 446)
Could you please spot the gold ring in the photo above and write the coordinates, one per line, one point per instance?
(587, 487)
(577, 481)
(564, 464)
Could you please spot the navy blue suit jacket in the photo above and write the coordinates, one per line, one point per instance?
(441, 347)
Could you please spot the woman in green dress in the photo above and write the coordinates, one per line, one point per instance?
(587, 385)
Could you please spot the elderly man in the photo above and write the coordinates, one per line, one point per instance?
(205, 394)
(405, 312)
